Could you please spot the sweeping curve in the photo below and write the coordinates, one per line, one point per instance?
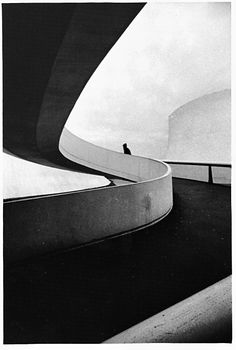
(130, 206)
(89, 215)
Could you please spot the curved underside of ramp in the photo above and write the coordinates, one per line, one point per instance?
(64, 221)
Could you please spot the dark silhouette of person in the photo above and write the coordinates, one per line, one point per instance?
(126, 149)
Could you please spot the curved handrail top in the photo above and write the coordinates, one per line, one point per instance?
(98, 213)
(115, 163)
(197, 163)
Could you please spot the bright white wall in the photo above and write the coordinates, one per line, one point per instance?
(200, 130)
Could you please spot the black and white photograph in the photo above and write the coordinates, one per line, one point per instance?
(116, 133)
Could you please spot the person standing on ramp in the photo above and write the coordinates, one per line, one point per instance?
(126, 149)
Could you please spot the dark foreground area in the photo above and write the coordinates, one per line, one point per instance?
(90, 294)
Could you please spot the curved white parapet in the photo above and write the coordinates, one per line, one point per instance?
(133, 168)
(65, 221)
(127, 207)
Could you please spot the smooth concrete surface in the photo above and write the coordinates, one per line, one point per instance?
(51, 223)
(45, 74)
(199, 318)
(91, 294)
(129, 167)
(66, 221)
(200, 130)
(91, 33)
(89, 215)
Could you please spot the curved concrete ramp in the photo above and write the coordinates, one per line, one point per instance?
(69, 220)
(49, 223)
(45, 74)
(58, 222)
(106, 288)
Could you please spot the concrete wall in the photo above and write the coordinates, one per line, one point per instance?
(200, 131)
(38, 226)
(129, 167)
(65, 221)
(50, 52)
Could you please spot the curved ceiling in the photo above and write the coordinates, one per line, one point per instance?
(35, 39)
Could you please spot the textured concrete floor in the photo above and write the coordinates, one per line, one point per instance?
(90, 294)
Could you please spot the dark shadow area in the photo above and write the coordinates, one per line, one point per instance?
(33, 37)
(90, 294)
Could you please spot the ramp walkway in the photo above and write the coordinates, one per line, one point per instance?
(90, 294)
(62, 297)
(50, 223)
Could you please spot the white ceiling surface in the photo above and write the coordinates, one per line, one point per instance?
(171, 53)
(22, 178)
